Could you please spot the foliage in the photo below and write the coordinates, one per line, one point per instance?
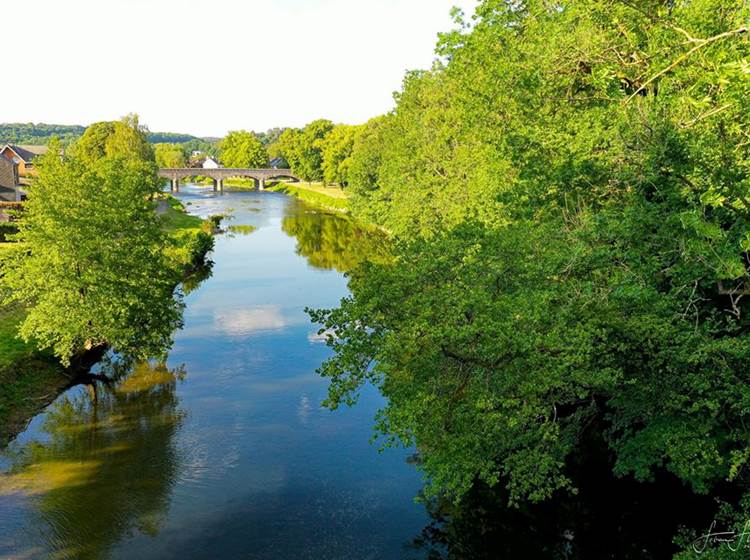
(171, 138)
(192, 236)
(42, 134)
(94, 271)
(7, 229)
(169, 155)
(302, 148)
(569, 186)
(270, 136)
(336, 151)
(206, 148)
(242, 149)
(38, 134)
(125, 138)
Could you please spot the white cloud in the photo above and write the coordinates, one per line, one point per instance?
(242, 322)
(207, 67)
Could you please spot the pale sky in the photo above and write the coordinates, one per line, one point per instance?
(206, 67)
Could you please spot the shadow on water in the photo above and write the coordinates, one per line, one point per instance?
(332, 241)
(103, 466)
(608, 518)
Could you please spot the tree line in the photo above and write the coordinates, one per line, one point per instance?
(42, 134)
(567, 188)
(321, 151)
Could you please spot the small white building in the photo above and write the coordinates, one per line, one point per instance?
(210, 163)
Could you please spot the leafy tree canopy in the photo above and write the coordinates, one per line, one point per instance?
(170, 155)
(126, 138)
(336, 150)
(94, 270)
(568, 188)
(243, 149)
(302, 148)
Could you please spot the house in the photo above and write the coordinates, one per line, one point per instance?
(9, 188)
(23, 156)
(278, 163)
(210, 163)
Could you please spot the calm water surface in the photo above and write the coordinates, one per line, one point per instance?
(224, 451)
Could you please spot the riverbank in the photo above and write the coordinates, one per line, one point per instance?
(31, 379)
(328, 197)
(28, 378)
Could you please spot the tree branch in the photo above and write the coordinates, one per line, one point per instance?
(683, 57)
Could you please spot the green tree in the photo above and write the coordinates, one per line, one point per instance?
(92, 144)
(336, 150)
(242, 149)
(169, 155)
(568, 188)
(95, 270)
(126, 138)
(302, 149)
(288, 147)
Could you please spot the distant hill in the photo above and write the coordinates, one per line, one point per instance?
(39, 134)
(170, 138)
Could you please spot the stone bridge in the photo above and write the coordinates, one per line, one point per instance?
(260, 176)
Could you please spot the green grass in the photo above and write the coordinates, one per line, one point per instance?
(192, 235)
(329, 197)
(29, 379)
(176, 219)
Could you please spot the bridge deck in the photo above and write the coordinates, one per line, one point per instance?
(221, 173)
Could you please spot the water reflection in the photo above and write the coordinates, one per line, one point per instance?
(243, 322)
(103, 466)
(608, 518)
(197, 277)
(331, 241)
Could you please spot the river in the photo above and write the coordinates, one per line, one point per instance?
(223, 451)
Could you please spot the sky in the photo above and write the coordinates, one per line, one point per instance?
(207, 67)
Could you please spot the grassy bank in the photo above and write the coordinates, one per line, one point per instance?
(30, 379)
(317, 194)
(192, 235)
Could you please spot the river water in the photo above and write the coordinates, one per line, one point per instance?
(223, 451)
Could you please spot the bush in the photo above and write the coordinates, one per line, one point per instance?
(6, 230)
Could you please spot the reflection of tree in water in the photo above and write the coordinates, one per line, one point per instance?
(109, 465)
(197, 277)
(608, 518)
(333, 242)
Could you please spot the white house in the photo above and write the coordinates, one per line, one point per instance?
(210, 163)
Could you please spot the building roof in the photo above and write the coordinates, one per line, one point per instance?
(27, 153)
